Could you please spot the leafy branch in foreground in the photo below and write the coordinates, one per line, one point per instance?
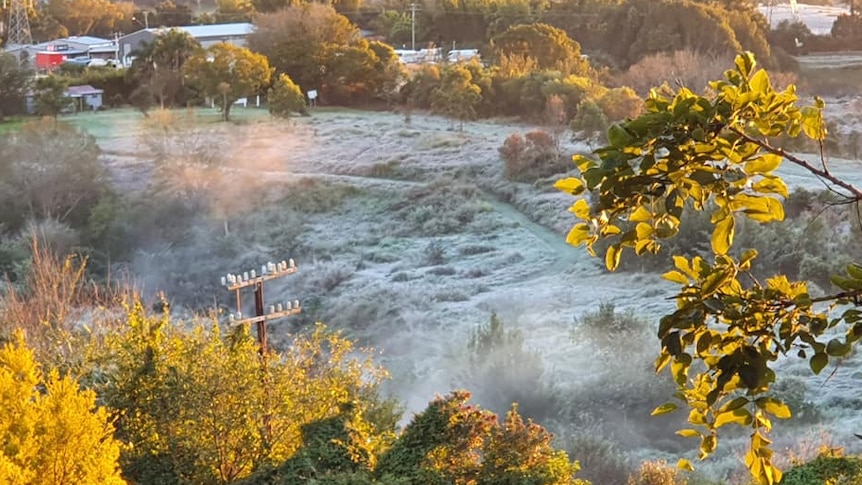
(729, 329)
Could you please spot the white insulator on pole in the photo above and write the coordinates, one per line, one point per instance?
(263, 270)
(292, 263)
(223, 281)
(296, 304)
(271, 309)
(279, 308)
(245, 276)
(253, 274)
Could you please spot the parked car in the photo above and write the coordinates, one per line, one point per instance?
(78, 61)
(96, 62)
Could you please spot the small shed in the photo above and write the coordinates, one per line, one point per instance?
(87, 98)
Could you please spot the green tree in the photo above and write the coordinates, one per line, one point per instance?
(300, 41)
(454, 442)
(549, 46)
(53, 173)
(169, 14)
(639, 28)
(285, 98)
(49, 96)
(234, 11)
(13, 83)
(198, 406)
(158, 66)
(84, 17)
(457, 96)
(53, 432)
(227, 72)
(717, 153)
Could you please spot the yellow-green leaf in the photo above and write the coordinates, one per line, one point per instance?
(771, 186)
(707, 445)
(855, 271)
(612, 257)
(740, 416)
(643, 230)
(578, 234)
(676, 277)
(583, 163)
(722, 235)
(818, 362)
(684, 464)
(581, 209)
(760, 82)
(689, 433)
(663, 409)
(812, 123)
(765, 163)
(570, 185)
(641, 214)
(774, 407)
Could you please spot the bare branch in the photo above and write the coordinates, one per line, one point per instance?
(855, 193)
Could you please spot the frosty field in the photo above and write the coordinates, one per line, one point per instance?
(408, 237)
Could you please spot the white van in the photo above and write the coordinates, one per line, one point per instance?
(458, 55)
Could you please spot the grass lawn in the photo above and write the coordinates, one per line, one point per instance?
(114, 124)
(11, 123)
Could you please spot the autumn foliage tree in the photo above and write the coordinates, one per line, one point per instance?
(730, 328)
(226, 72)
(285, 98)
(52, 432)
(452, 441)
(458, 96)
(550, 47)
(200, 406)
(299, 41)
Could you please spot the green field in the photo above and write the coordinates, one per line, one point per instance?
(113, 124)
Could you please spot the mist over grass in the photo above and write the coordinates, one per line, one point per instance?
(409, 237)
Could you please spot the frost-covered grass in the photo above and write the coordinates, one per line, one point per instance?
(408, 237)
(818, 18)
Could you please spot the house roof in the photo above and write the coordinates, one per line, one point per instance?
(86, 40)
(214, 30)
(83, 90)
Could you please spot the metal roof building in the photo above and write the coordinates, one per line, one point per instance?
(207, 35)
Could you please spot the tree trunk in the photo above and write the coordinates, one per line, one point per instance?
(225, 108)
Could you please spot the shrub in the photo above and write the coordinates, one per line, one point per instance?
(532, 157)
(831, 466)
(602, 462)
(502, 370)
(621, 103)
(656, 473)
(434, 253)
(590, 118)
(285, 98)
(688, 68)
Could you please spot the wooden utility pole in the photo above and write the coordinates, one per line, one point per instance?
(413, 9)
(237, 282)
(269, 271)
